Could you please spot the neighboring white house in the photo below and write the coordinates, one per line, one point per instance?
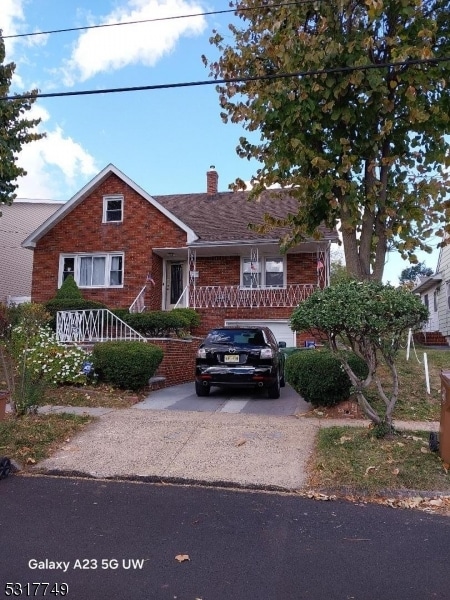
(434, 292)
(16, 263)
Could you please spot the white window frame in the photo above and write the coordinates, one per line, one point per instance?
(113, 198)
(261, 265)
(108, 256)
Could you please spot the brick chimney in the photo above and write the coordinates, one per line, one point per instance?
(212, 180)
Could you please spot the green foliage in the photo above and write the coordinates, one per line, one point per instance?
(409, 275)
(318, 376)
(190, 314)
(371, 319)
(127, 365)
(15, 131)
(69, 289)
(357, 310)
(159, 323)
(363, 147)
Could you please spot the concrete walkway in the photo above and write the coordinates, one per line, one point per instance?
(241, 450)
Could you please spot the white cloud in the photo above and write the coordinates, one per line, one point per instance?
(54, 164)
(11, 11)
(112, 48)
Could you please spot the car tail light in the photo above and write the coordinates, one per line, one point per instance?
(266, 353)
(201, 353)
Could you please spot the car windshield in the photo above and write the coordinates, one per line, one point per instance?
(237, 337)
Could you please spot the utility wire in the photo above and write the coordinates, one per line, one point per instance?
(156, 19)
(165, 86)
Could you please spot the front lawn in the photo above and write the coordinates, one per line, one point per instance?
(32, 438)
(351, 460)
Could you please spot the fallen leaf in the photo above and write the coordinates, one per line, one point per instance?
(437, 502)
(424, 450)
(369, 469)
(182, 557)
(241, 442)
(319, 496)
(30, 461)
(395, 471)
(400, 444)
(345, 438)
(446, 467)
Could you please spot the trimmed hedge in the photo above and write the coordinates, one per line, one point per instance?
(319, 377)
(127, 365)
(159, 323)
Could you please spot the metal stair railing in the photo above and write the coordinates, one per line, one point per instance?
(93, 325)
(138, 304)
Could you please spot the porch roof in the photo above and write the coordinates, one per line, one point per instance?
(427, 283)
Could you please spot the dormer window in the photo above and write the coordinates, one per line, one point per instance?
(112, 209)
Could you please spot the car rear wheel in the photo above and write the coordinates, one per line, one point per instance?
(201, 389)
(273, 391)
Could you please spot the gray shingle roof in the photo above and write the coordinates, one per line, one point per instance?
(226, 216)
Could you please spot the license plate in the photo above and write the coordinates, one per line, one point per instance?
(231, 358)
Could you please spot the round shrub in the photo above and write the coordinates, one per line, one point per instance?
(127, 365)
(319, 377)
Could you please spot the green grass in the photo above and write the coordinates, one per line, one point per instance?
(414, 403)
(32, 438)
(351, 458)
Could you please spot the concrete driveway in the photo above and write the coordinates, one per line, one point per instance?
(249, 402)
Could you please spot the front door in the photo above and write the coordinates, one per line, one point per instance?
(175, 284)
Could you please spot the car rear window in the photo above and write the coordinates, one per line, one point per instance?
(236, 336)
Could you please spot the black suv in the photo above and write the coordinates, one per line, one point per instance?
(240, 357)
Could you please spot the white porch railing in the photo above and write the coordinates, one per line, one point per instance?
(138, 305)
(227, 296)
(95, 325)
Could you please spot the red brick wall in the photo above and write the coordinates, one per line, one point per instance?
(82, 230)
(226, 270)
(178, 364)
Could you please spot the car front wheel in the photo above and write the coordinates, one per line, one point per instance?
(201, 389)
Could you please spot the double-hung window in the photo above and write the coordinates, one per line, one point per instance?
(267, 271)
(112, 209)
(93, 270)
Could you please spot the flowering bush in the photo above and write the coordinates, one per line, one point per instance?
(42, 357)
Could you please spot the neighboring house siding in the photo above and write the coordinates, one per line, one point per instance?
(82, 230)
(443, 300)
(16, 223)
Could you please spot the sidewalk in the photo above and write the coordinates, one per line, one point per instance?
(249, 451)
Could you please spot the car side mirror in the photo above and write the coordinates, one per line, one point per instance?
(281, 344)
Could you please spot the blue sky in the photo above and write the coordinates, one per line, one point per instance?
(165, 140)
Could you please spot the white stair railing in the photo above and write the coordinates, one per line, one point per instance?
(93, 325)
(138, 305)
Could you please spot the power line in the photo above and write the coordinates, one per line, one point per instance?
(156, 19)
(165, 86)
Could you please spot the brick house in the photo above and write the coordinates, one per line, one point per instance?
(127, 248)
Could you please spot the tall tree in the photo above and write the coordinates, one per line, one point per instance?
(408, 277)
(15, 130)
(358, 129)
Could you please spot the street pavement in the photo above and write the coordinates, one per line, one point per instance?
(115, 540)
